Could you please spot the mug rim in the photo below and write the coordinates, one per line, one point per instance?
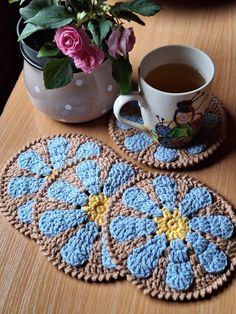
(208, 82)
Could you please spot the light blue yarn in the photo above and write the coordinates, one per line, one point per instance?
(219, 226)
(124, 228)
(20, 186)
(137, 199)
(165, 154)
(166, 189)
(88, 172)
(132, 118)
(64, 191)
(143, 260)
(88, 149)
(179, 273)
(194, 200)
(197, 149)
(119, 174)
(106, 259)
(79, 247)
(25, 212)
(138, 142)
(58, 149)
(210, 257)
(33, 162)
(54, 222)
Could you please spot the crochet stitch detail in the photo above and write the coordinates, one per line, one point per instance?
(32, 161)
(58, 148)
(20, 186)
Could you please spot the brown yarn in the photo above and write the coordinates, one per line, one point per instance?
(184, 158)
(204, 283)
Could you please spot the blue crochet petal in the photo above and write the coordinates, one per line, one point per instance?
(210, 257)
(194, 200)
(143, 260)
(33, 162)
(88, 173)
(219, 226)
(79, 247)
(118, 175)
(138, 142)
(88, 149)
(64, 191)
(19, 186)
(196, 149)
(165, 154)
(25, 212)
(58, 149)
(123, 228)
(137, 199)
(179, 272)
(106, 259)
(54, 222)
(131, 117)
(166, 189)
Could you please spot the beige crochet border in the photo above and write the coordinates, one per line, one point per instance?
(146, 156)
(8, 205)
(206, 284)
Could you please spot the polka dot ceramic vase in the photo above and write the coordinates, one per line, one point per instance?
(85, 98)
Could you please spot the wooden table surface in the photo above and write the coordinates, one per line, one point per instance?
(31, 284)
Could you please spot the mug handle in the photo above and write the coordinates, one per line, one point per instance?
(121, 101)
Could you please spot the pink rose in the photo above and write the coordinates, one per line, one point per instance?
(70, 40)
(89, 58)
(120, 42)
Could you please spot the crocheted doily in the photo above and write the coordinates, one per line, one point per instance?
(68, 216)
(30, 169)
(144, 149)
(174, 236)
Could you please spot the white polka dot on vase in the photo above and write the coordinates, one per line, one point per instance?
(68, 107)
(109, 88)
(78, 82)
(37, 89)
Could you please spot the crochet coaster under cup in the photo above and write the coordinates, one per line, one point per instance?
(68, 216)
(144, 149)
(30, 169)
(174, 236)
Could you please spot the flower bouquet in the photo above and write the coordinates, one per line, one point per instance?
(83, 35)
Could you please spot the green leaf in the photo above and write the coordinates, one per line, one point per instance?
(48, 50)
(57, 73)
(104, 28)
(34, 7)
(143, 7)
(52, 17)
(93, 28)
(129, 16)
(122, 72)
(28, 30)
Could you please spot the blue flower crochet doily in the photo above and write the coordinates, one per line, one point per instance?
(174, 236)
(29, 170)
(69, 215)
(144, 149)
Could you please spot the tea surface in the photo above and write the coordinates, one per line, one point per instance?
(175, 78)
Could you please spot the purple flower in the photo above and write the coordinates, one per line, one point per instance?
(70, 40)
(120, 42)
(89, 58)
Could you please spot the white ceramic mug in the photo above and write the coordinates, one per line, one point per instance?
(161, 111)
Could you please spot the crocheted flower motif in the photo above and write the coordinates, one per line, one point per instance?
(81, 207)
(36, 170)
(141, 141)
(171, 227)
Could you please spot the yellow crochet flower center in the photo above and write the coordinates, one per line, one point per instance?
(54, 171)
(96, 207)
(172, 225)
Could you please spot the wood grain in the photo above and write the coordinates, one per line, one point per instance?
(31, 284)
